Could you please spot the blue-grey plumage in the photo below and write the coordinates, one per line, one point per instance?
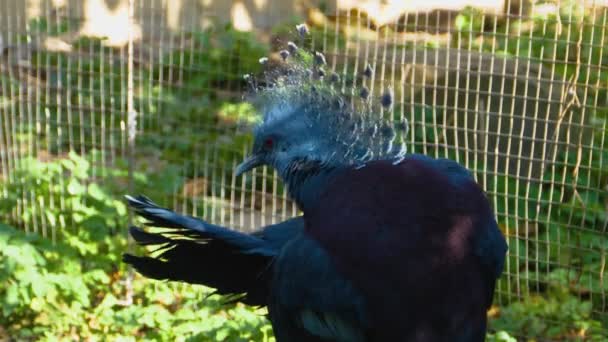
(320, 73)
(368, 71)
(390, 247)
(292, 47)
(284, 54)
(320, 59)
(368, 209)
(387, 98)
(244, 257)
(334, 77)
(302, 30)
(364, 93)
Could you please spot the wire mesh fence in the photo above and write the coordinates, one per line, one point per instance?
(518, 96)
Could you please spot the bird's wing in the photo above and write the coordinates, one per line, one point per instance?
(489, 244)
(310, 300)
(187, 226)
(405, 236)
(196, 252)
(490, 248)
(276, 235)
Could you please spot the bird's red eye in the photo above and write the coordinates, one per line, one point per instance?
(268, 143)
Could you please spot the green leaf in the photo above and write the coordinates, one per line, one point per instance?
(95, 192)
(75, 188)
(39, 286)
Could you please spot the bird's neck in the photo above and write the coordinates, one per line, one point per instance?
(307, 182)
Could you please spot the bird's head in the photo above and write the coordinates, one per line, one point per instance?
(290, 138)
(308, 128)
(310, 122)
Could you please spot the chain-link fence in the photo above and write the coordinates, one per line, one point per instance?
(149, 93)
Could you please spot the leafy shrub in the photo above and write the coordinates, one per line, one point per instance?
(77, 288)
(556, 315)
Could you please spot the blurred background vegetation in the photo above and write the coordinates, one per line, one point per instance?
(66, 160)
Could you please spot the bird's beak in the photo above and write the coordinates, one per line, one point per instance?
(250, 163)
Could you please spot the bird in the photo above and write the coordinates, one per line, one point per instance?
(390, 246)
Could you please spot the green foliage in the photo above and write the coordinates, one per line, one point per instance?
(548, 36)
(69, 197)
(76, 288)
(469, 20)
(192, 111)
(500, 336)
(51, 26)
(557, 315)
(223, 55)
(215, 58)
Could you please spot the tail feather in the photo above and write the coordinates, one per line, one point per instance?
(144, 238)
(191, 227)
(149, 267)
(196, 252)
